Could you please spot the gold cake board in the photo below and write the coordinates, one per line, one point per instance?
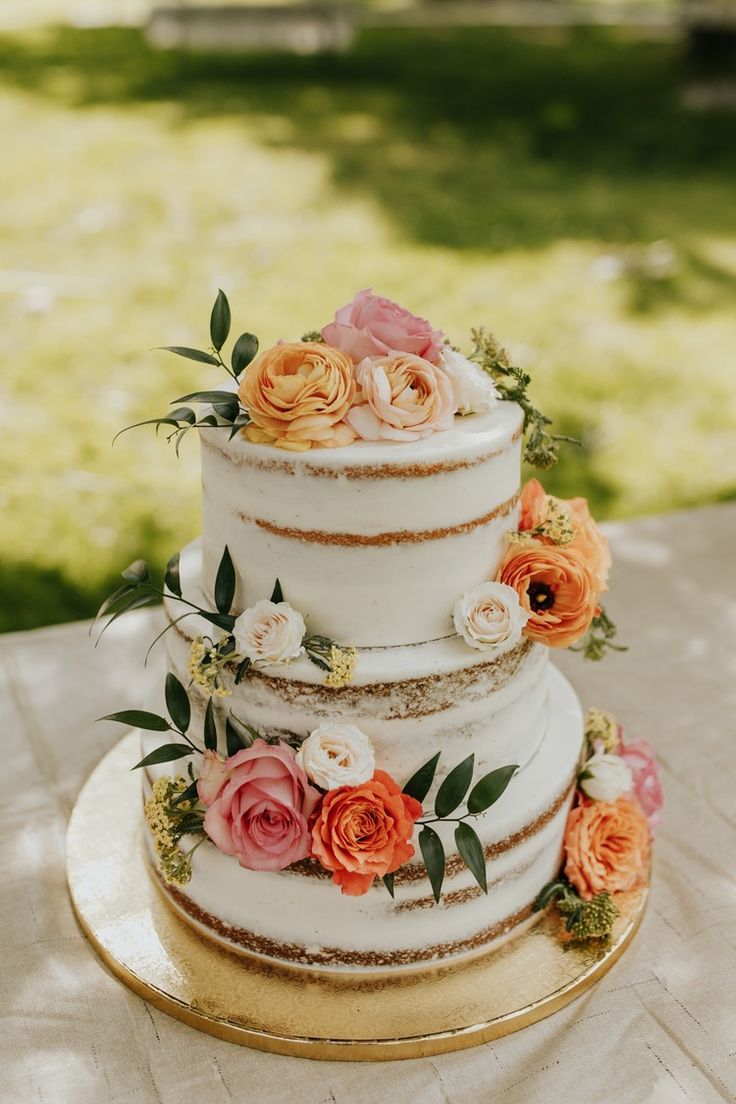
(287, 1011)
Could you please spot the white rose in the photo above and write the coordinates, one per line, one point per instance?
(490, 617)
(605, 777)
(473, 388)
(337, 755)
(269, 632)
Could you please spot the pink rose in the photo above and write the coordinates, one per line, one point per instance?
(260, 810)
(374, 326)
(401, 398)
(639, 757)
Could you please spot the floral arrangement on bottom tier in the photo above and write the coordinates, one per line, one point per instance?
(607, 843)
(272, 802)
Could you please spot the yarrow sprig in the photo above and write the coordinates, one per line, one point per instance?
(593, 919)
(542, 447)
(172, 812)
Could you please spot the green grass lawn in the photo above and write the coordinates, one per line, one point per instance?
(518, 181)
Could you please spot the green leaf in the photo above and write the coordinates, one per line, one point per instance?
(233, 740)
(184, 414)
(148, 421)
(210, 727)
(172, 577)
(278, 594)
(471, 852)
(112, 599)
(164, 754)
(244, 349)
(489, 788)
(388, 881)
(454, 787)
(433, 854)
(220, 321)
(224, 621)
(134, 601)
(177, 703)
(190, 354)
(242, 420)
(548, 893)
(225, 583)
(139, 718)
(242, 670)
(419, 784)
(189, 794)
(228, 411)
(207, 397)
(137, 572)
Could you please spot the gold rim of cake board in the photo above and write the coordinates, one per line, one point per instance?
(292, 1011)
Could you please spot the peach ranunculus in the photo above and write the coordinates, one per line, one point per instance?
(297, 395)
(363, 832)
(537, 507)
(607, 847)
(401, 398)
(258, 805)
(374, 326)
(555, 587)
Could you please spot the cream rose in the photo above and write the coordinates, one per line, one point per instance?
(473, 388)
(605, 777)
(490, 617)
(400, 397)
(337, 755)
(269, 632)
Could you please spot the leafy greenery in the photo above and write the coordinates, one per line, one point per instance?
(593, 919)
(519, 172)
(449, 796)
(599, 638)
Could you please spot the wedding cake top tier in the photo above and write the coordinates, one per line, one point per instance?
(373, 542)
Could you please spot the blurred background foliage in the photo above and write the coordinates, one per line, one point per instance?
(564, 188)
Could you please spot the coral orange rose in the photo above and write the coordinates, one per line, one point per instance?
(536, 507)
(363, 832)
(555, 587)
(607, 847)
(297, 396)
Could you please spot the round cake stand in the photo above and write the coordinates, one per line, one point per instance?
(287, 1011)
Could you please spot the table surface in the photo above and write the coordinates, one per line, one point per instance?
(660, 1027)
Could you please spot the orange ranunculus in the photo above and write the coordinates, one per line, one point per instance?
(534, 511)
(556, 588)
(607, 847)
(363, 832)
(297, 396)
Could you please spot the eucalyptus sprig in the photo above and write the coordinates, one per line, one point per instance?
(599, 638)
(542, 447)
(450, 796)
(227, 410)
(591, 919)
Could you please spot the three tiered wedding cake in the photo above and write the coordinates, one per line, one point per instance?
(358, 676)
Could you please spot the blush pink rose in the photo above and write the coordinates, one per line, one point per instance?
(647, 789)
(374, 326)
(259, 812)
(401, 398)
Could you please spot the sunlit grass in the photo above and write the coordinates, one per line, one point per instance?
(513, 181)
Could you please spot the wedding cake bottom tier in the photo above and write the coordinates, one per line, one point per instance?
(298, 917)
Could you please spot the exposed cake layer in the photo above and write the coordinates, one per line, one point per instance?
(374, 542)
(299, 917)
(411, 701)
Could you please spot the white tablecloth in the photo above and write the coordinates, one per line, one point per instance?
(661, 1026)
